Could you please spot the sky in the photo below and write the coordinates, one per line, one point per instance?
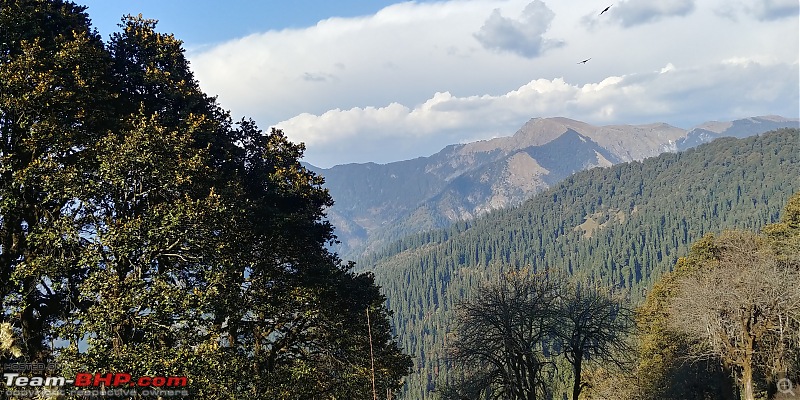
(382, 81)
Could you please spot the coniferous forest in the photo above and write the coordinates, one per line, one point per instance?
(621, 227)
(143, 231)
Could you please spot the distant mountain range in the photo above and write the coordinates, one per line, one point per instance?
(378, 203)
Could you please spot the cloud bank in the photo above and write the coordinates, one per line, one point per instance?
(731, 89)
(415, 77)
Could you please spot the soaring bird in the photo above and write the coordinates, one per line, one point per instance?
(606, 9)
(584, 61)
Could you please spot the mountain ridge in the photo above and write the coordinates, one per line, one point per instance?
(376, 203)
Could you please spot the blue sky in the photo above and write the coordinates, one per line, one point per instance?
(204, 22)
(381, 81)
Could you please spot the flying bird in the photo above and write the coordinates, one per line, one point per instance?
(584, 61)
(606, 9)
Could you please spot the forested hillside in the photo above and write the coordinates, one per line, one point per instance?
(379, 203)
(620, 226)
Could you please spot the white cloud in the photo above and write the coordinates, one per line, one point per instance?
(762, 10)
(640, 12)
(349, 61)
(731, 87)
(637, 12)
(776, 9)
(413, 77)
(524, 36)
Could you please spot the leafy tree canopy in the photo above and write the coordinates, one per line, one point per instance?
(144, 231)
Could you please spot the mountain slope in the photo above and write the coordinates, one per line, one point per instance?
(623, 225)
(376, 203)
(740, 128)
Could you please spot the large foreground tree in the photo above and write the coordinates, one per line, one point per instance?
(151, 234)
(742, 300)
(663, 370)
(54, 106)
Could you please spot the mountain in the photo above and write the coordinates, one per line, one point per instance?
(378, 203)
(740, 128)
(621, 226)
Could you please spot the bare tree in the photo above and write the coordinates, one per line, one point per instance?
(745, 304)
(500, 333)
(593, 326)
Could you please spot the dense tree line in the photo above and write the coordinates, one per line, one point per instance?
(143, 231)
(622, 226)
(725, 324)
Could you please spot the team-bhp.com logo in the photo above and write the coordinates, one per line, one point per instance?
(122, 379)
(117, 384)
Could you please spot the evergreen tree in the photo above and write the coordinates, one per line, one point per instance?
(54, 107)
(156, 237)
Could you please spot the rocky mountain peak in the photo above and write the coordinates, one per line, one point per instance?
(378, 203)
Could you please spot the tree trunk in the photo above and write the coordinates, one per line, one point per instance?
(747, 381)
(576, 385)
